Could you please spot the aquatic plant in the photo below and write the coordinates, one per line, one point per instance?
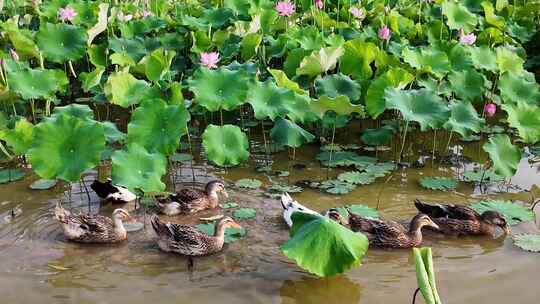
(425, 275)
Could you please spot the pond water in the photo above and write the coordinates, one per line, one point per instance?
(38, 265)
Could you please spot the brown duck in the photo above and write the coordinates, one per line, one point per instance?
(463, 220)
(390, 234)
(187, 201)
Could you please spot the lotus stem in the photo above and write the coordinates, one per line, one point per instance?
(33, 107)
(448, 143)
(434, 144)
(265, 146)
(403, 141)
(221, 116)
(414, 295)
(190, 152)
(331, 149)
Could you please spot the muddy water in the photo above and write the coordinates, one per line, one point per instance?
(38, 265)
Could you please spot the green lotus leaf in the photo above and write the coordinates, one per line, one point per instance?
(458, 16)
(439, 183)
(231, 234)
(422, 106)
(428, 59)
(356, 178)
(482, 176)
(293, 60)
(122, 59)
(517, 88)
(75, 110)
(376, 169)
(337, 84)
(526, 119)
(527, 242)
(280, 188)
(214, 89)
(394, 77)
(124, 89)
(97, 54)
(10, 175)
(491, 17)
(244, 213)
(226, 145)
(378, 137)
(22, 41)
(157, 126)
(340, 105)
(299, 110)
(158, 63)
(137, 169)
(359, 209)
(357, 58)
(61, 42)
(464, 119)
(35, 84)
(320, 61)
(509, 61)
(483, 57)
(344, 158)
(287, 133)
(101, 24)
(513, 213)
(269, 100)
(335, 186)
(504, 155)
(248, 183)
(309, 38)
(228, 205)
(322, 246)
(43, 184)
(249, 45)
(284, 82)
(65, 146)
(425, 275)
(467, 84)
(112, 134)
(458, 56)
(521, 33)
(20, 137)
(91, 79)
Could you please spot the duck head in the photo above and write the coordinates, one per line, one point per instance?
(216, 187)
(496, 219)
(334, 214)
(121, 214)
(421, 220)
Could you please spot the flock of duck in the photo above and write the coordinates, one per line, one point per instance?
(187, 240)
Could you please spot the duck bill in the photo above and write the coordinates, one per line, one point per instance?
(235, 225)
(435, 226)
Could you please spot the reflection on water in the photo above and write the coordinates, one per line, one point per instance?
(338, 289)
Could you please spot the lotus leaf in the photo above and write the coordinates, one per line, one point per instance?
(214, 89)
(464, 119)
(284, 82)
(101, 24)
(356, 178)
(319, 61)
(43, 184)
(508, 61)
(61, 42)
(528, 242)
(344, 158)
(516, 89)
(91, 79)
(226, 145)
(112, 134)
(250, 43)
(438, 183)
(124, 89)
(228, 205)
(244, 213)
(467, 84)
(337, 186)
(299, 111)
(513, 213)
(20, 137)
(378, 169)
(340, 105)
(394, 77)
(158, 63)
(35, 84)
(269, 100)
(293, 60)
(280, 188)
(526, 119)
(75, 110)
(428, 59)
(504, 155)
(322, 246)
(458, 16)
(359, 209)
(337, 84)
(425, 275)
(22, 41)
(379, 136)
(248, 183)
(287, 133)
(65, 146)
(357, 58)
(483, 57)
(10, 175)
(231, 234)
(137, 169)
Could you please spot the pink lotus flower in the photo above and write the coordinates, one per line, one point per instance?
(14, 54)
(319, 4)
(124, 18)
(210, 60)
(384, 33)
(285, 8)
(490, 109)
(67, 14)
(466, 39)
(146, 13)
(357, 12)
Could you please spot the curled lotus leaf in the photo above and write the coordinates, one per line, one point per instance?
(464, 119)
(458, 16)
(75, 110)
(284, 82)
(319, 61)
(35, 84)
(516, 88)
(287, 133)
(526, 119)
(124, 89)
(340, 105)
(225, 145)
(504, 155)
(20, 137)
(514, 213)
(394, 77)
(359, 209)
(428, 60)
(269, 100)
(61, 42)
(425, 275)
(338, 84)
(357, 58)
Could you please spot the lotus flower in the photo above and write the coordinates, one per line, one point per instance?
(319, 4)
(285, 8)
(67, 14)
(384, 33)
(210, 60)
(357, 12)
(466, 39)
(146, 13)
(490, 109)
(14, 54)
(124, 18)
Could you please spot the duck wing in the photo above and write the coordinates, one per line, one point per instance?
(457, 212)
(94, 223)
(182, 238)
(186, 195)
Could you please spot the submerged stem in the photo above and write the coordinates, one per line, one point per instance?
(403, 141)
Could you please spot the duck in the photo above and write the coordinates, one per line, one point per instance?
(462, 220)
(188, 201)
(391, 234)
(291, 206)
(113, 193)
(92, 228)
(189, 241)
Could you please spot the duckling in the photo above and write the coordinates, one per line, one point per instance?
(113, 193)
(188, 201)
(291, 206)
(92, 228)
(462, 220)
(189, 241)
(390, 234)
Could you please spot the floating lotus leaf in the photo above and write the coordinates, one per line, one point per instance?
(137, 169)
(377, 169)
(231, 234)
(527, 242)
(422, 106)
(112, 134)
(10, 175)
(248, 183)
(219, 89)
(458, 16)
(516, 88)
(438, 183)
(356, 178)
(322, 246)
(335, 186)
(464, 119)
(425, 275)
(427, 59)
(483, 57)
(65, 146)
(319, 61)
(482, 176)
(280, 188)
(379, 136)
(124, 89)
(394, 77)
(513, 213)
(244, 213)
(340, 105)
(504, 155)
(35, 84)
(467, 84)
(526, 119)
(337, 84)
(75, 110)
(287, 133)
(157, 126)
(359, 209)
(91, 79)
(20, 137)
(226, 145)
(508, 61)
(43, 184)
(269, 100)
(357, 58)
(284, 82)
(344, 158)
(228, 205)
(61, 42)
